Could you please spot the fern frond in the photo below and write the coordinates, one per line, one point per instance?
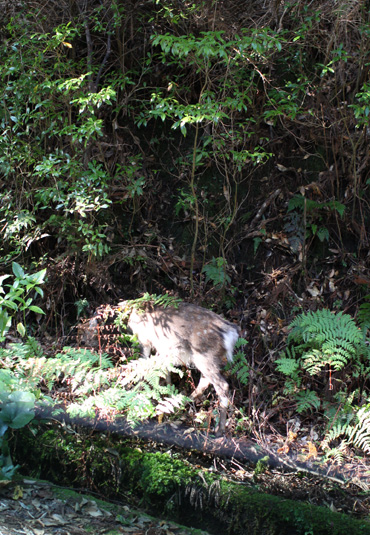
(357, 434)
(323, 338)
(240, 367)
(92, 358)
(338, 430)
(337, 454)
(360, 434)
(165, 300)
(363, 315)
(168, 405)
(287, 366)
(33, 347)
(307, 401)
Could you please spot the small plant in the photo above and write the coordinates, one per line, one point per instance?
(305, 220)
(363, 316)
(354, 427)
(240, 366)
(261, 466)
(361, 108)
(307, 401)
(323, 338)
(16, 411)
(18, 298)
(215, 272)
(153, 300)
(318, 341)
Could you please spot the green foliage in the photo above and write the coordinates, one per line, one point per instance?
(206, 52)
(240, 366)
(311, 216)
(160, 473)
(164, 300)
(125, 307)
(18, 298)
(185, 202)
(361, 108)
(39, 97)
(16, 411)
(320, 340)
(300, 202)
(355, 429)
(215, 272)
(219, 122)
(287, 366)
(151, 397)
(92, 381)
(363, 315)
(261, 466)
(307, 400)
(323, 338)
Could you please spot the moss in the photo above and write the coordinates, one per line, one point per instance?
(170, 487)
(158, 473)
(252, 513)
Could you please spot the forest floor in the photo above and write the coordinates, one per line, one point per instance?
(40, 508)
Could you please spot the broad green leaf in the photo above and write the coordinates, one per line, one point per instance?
(21, 329)
(17, 270)
(36, 309)
(17, 410)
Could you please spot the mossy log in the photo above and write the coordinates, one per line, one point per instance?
(167, 485)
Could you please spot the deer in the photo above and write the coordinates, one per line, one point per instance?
(188, 335)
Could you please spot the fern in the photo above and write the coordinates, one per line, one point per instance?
(363, 315)
(307, 401)
(287, 366)
(23, 350)
(337, 454)
(91, 358)
(138, 392)
(318, 340)
(93, 382)
(240, 366)
(322, 338)
(33, 347)
(357, 433)
(360, 434)
(169, 404)
(291, 386)
(125, 308)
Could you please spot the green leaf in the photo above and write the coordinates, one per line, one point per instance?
(5, 322)
(17, 410)
(39, 277)
(21, 329)
(10, 304)
(39, 291)
(36, 309)
(17, 270)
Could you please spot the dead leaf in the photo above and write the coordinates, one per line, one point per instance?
(314, 291)
(312, 451)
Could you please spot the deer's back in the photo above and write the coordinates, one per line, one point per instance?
(185, 332)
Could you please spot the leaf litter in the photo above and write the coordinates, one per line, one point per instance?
(33, 507)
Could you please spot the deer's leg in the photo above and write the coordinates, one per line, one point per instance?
(202, 385)
(222, 388)
(210, 374)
